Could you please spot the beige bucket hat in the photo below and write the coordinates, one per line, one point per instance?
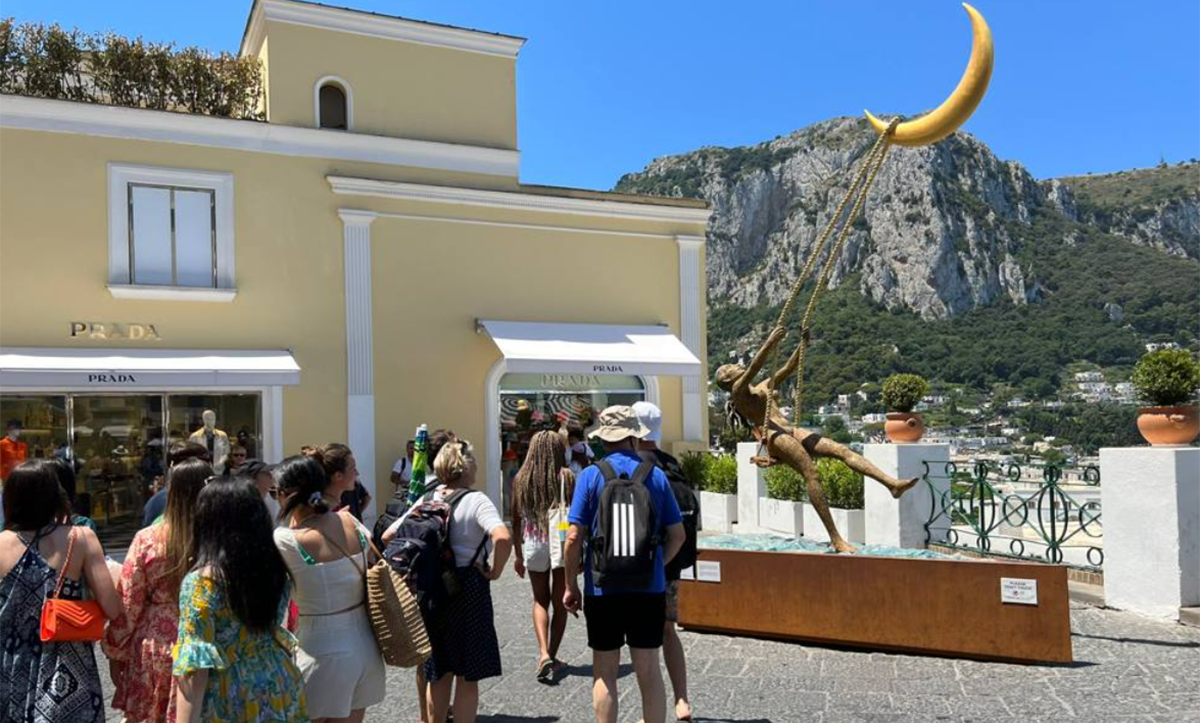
(617, 423)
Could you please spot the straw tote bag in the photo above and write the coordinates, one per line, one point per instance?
(395, 617)
(557, 524)
(393, 611)
(70, 620)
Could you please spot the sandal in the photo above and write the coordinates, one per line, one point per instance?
(545, 670)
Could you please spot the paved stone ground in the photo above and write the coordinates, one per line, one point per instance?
(1127, 669)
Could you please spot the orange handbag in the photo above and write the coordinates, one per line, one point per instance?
(70, 620)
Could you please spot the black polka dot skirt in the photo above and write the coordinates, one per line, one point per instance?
(463, 633)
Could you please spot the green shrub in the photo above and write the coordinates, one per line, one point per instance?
(720, 475)
(49, 62)
(695, 468)
(843, 487)
(902, 392)
(1167, 377)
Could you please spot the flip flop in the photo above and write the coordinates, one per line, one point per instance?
(545, 670)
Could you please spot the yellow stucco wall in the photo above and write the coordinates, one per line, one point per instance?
(431, 279)
(470, 100)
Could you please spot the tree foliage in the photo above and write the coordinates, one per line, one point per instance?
(1167, 377)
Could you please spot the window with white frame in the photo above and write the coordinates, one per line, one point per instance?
(170, 229)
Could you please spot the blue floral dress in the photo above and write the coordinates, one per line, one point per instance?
(252, 676)
(42, 682)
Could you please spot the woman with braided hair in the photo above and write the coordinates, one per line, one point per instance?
(793, 446)
(543, 485)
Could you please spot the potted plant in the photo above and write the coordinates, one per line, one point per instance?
(1168, 379)
(902, 392)
(717, 476)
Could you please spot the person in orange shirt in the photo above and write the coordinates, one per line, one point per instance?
(12, 451)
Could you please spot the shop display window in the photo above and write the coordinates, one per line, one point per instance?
(43, 428)
(530, 403)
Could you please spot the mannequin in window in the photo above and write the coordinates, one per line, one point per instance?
(12, 450)
(213, 439)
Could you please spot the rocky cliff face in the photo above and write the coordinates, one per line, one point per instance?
(939, 231)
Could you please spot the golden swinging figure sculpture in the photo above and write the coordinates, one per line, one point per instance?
(757, 405)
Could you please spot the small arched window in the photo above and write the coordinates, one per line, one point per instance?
(333, 107)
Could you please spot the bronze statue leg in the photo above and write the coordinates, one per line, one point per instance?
(789, 451)
(828, 448)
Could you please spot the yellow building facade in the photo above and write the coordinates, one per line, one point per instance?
(311, 284)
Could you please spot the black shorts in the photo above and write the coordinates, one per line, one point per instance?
(635, 620)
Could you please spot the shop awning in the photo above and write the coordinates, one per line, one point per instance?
(591, 349)
(94, 368)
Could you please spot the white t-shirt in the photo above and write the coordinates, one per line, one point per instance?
(403, 467)
(474, 519)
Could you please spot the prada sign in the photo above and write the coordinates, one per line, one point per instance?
(113, 331)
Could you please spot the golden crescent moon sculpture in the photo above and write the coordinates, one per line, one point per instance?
(955, 110)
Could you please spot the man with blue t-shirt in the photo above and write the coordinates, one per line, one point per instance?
(622, 607)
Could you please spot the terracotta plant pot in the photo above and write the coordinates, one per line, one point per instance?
(1169, 425)
(904, 427)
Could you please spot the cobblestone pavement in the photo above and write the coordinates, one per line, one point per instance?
(1127, 669)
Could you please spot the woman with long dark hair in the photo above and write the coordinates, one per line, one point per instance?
(47, 681)
(327, 554)
(138, 645)
(233, 660)
(543, 484)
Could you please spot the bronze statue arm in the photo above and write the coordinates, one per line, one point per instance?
(793, 361)
(760, 358)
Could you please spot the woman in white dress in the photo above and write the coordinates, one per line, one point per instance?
(327, 554)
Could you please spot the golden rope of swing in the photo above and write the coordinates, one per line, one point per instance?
(858, 191)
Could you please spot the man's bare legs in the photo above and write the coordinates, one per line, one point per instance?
(423, 696)
(650, 684)
(676, 670)
(604, 684)
(826, 447)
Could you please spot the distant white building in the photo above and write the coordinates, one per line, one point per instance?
(874, 418)
(1156, 346)
(1090, 376)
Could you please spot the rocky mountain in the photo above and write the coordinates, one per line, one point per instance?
(937, 233)
(963, 267)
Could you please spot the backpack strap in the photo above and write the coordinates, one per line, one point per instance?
(606, 470)
(643, 472)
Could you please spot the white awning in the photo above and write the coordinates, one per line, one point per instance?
(591, 349)
(110, 369)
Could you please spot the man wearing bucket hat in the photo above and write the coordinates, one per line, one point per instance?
(625, 511)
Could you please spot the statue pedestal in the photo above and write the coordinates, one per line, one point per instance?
(901, 523)
(752, 484)
(1151, 520)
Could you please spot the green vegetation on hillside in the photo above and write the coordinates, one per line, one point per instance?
(1138, 187)
(1025, 346)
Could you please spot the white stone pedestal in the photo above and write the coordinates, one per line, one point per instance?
(752, 484)
(1150, 499)
(901, 523)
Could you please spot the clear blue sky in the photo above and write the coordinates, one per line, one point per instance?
(604, 87)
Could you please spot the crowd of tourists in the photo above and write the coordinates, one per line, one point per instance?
(244, 598)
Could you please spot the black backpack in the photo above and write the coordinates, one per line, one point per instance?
(420, 552)
(392, 511)
(689, 510)
(626, 537)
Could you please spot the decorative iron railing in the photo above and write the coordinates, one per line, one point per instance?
(1035, 512)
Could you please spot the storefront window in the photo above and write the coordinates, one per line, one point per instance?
(118, 450)
(530, 403)
(118, 444)
(237, 422)
(43, 428)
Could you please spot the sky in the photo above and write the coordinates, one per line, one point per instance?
(604, 87)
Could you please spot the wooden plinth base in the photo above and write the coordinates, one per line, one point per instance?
(941, 607)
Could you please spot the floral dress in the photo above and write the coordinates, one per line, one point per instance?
(143, 636)
(252, 676)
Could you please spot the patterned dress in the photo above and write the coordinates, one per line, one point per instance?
(252, 677)
(42, 682)
(144, 635)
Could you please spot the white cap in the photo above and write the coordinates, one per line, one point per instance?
(651, 416)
